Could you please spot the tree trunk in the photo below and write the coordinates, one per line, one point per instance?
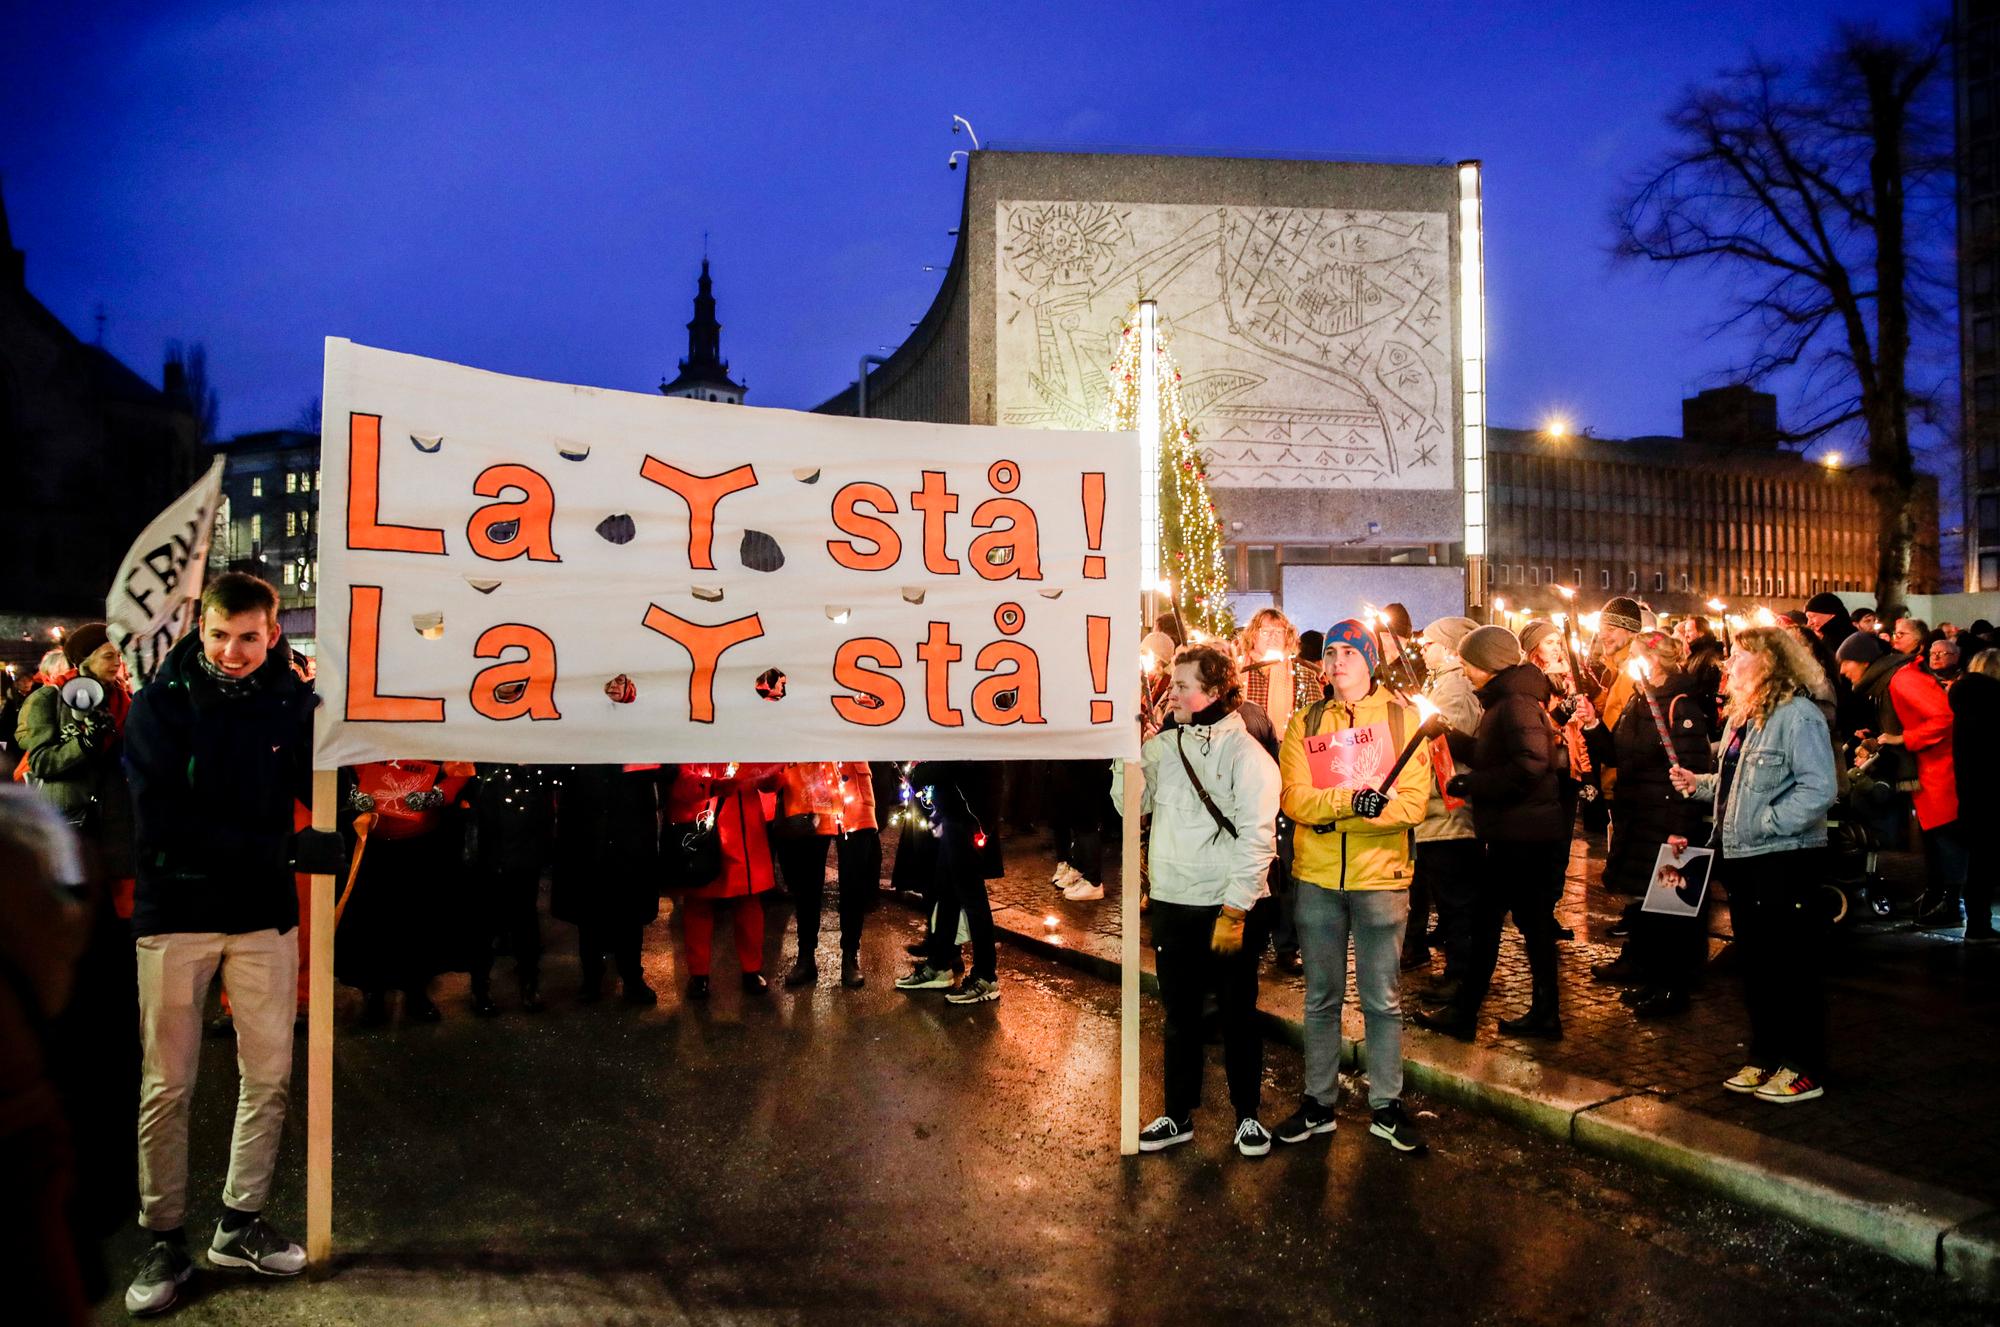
(1892, 469)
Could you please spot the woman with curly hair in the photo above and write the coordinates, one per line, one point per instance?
(1771, 794)
(1212, 791)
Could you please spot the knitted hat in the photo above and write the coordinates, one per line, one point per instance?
(1450, 632)
(1491, 649)
(1862, 647)
(83, 642)
(1826, 601)
(1534, 633)
(1355, 633)
(1620, 612)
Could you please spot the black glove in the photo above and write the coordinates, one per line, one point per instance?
(1369, 803)
(1455, 786)
(319, 852)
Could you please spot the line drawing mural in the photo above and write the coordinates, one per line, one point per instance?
(1314, 343)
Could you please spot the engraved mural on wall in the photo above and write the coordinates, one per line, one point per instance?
(1314, 343)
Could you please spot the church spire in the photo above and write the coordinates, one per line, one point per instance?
(704, 332)
(704, 373)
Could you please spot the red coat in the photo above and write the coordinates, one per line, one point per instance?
(1925, 713)
(740, 816)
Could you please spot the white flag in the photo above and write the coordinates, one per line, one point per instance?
(152, 601)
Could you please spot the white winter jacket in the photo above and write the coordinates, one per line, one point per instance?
(1192, 859)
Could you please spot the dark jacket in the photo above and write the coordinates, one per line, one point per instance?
(607, 845)
(1872, 709)
(213, 778)
(513, 819)
(77, 762)
(965, 802)
(1975, 738)
(1510, 765)
(1647, 807)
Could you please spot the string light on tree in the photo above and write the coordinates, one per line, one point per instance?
(1190, 534)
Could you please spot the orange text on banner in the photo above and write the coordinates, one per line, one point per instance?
(364, 496)
(702, 493)
(527, 523)
(365, 702)
(705, 646)
(516, 687)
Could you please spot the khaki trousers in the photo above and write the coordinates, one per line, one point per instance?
(260, 970)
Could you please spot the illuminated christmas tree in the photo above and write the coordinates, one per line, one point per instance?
(1190, 535)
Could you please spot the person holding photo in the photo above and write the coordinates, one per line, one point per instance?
(1666, 953)
(1212, 790)
(1771, 795)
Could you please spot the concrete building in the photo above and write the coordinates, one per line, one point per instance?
(268, 522)
(1326, 318)
(1977, 72)
(90, 452)
(1723, 513)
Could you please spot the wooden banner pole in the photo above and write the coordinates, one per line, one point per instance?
(1128, 963)
(319, 1043)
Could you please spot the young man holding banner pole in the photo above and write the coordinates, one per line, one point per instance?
(217, 749)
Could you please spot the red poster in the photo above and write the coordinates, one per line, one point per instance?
(1350, 757)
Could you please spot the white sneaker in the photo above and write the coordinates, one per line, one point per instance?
(1083, 892)
(1065, 876)
(257, 1247)
(156, 1286)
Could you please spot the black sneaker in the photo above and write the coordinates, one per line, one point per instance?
(1251, 1138)
(258, 1247)
(1390, 1126)
(1310, 1118)
(1164, 1132)
(156, 1285)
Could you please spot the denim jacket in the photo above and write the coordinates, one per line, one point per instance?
(1785, 783)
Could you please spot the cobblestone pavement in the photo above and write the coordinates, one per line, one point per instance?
(1914, 1018)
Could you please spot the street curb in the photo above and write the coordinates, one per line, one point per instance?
(1904, 1219)
(1915, 1223)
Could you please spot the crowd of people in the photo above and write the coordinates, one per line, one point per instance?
(1315, 795)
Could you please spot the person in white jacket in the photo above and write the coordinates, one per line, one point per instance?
(1212, 791)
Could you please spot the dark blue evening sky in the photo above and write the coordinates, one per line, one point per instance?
(525, 187)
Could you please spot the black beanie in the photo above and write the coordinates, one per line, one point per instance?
(1863, 647)
(1826, 601)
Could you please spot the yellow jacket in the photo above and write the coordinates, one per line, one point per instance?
(1355, 853)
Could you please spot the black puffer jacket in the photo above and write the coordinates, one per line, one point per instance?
(1510, 767)
(213, 776)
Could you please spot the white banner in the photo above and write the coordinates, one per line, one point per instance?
(528, 571)
(152, 600)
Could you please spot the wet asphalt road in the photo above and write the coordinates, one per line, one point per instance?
(870, 1156)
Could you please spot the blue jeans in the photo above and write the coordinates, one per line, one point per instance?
(1375, 918)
